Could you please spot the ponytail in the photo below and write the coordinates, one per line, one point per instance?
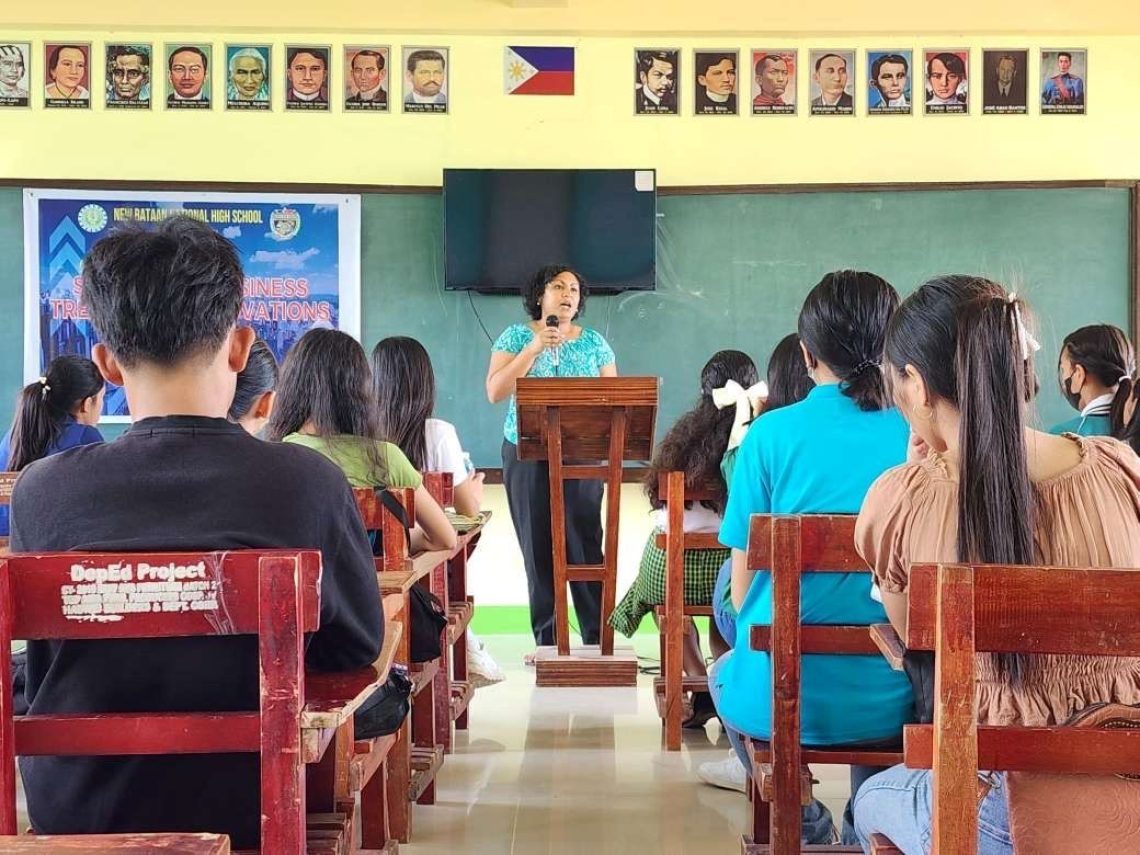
(843, 323)
(1129, 431)
(44, 406)
(995, 497)
(967, 340)
(1124, 389)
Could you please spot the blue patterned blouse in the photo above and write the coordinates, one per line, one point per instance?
(584, 356)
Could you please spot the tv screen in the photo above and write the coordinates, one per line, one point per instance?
(501, 225)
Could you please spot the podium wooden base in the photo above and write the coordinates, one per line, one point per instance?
(585, 666)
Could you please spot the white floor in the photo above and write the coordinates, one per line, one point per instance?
(581, 771)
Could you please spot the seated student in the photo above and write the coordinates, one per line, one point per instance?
(984, 487)
(815, 457)
(405, 391)
(1129, 430)
(253, 396)
(694, 445)
(325, 402)
(1092, 363)
(56, 412)
(788, 383)
(181, 477)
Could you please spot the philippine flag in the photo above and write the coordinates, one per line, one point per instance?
(538, 71)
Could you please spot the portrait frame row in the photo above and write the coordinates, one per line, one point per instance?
(773, 74)
(306, 78)
(248, 84)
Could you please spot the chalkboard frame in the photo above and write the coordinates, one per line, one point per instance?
(494, 475)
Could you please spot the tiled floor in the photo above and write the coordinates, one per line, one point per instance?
(580, 771)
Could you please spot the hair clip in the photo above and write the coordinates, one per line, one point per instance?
(1029, 345)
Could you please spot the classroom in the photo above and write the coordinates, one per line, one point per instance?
(849, 416)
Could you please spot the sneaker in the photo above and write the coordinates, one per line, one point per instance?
(728, 774)
(482, 670)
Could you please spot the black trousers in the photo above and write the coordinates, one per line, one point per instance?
(528, 496)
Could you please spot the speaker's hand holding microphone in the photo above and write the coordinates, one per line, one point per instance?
(552, 338)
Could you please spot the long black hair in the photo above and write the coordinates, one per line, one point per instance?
(326, 383)
(696, 442)
(1106, 354)
(788, 379)
(405, 393)
(965, 337)
(258, 377)
(843, 323)
(44, 406)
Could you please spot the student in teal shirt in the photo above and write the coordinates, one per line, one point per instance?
(1093, 363)
(819, 456)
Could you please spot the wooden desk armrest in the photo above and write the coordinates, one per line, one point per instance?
(889, 644)
(423, 563)
(330, 698)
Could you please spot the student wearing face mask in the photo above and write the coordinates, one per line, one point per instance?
(1093, 363)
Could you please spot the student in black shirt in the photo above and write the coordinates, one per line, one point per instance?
(165, 303)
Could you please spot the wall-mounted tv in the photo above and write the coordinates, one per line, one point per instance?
(500, 225)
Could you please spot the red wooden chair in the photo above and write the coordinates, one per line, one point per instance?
(417, 754)
(460, 609)
(273, 594)
(792, 546)
(675, 618)
(959, 611)
(99, 844)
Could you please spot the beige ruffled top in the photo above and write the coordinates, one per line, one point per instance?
(1088, 516)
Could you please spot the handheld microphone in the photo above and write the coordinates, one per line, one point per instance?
(552, 321)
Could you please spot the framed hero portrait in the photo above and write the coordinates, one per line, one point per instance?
(656, 81)
(366, 78)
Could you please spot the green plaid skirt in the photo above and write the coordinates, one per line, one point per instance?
(648, 589)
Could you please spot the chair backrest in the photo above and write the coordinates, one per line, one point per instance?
(7, 483)
(440, 486)
(392, 532)
(273, 594)
(673, 491)
(961, 610)
(789, 546)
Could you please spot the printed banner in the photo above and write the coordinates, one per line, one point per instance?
(301, 256)
(538, 70)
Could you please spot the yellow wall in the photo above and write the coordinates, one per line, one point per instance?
(596, 126)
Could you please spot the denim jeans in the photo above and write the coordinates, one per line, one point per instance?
(724, 618)
(816, 819)
(897, 803)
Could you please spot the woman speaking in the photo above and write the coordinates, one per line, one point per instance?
(536, 349)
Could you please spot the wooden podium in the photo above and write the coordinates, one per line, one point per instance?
(585, 427)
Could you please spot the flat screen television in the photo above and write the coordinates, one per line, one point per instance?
(501, 225)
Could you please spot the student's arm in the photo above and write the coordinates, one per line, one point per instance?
(468, 496)
(881, 538)
(507, 367)
(896, 606)
(433, 530)
(351, 633)
(608, 370)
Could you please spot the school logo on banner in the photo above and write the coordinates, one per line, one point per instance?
(285, 223)
(538, 71)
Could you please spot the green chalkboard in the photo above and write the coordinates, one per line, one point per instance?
(732, 271)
